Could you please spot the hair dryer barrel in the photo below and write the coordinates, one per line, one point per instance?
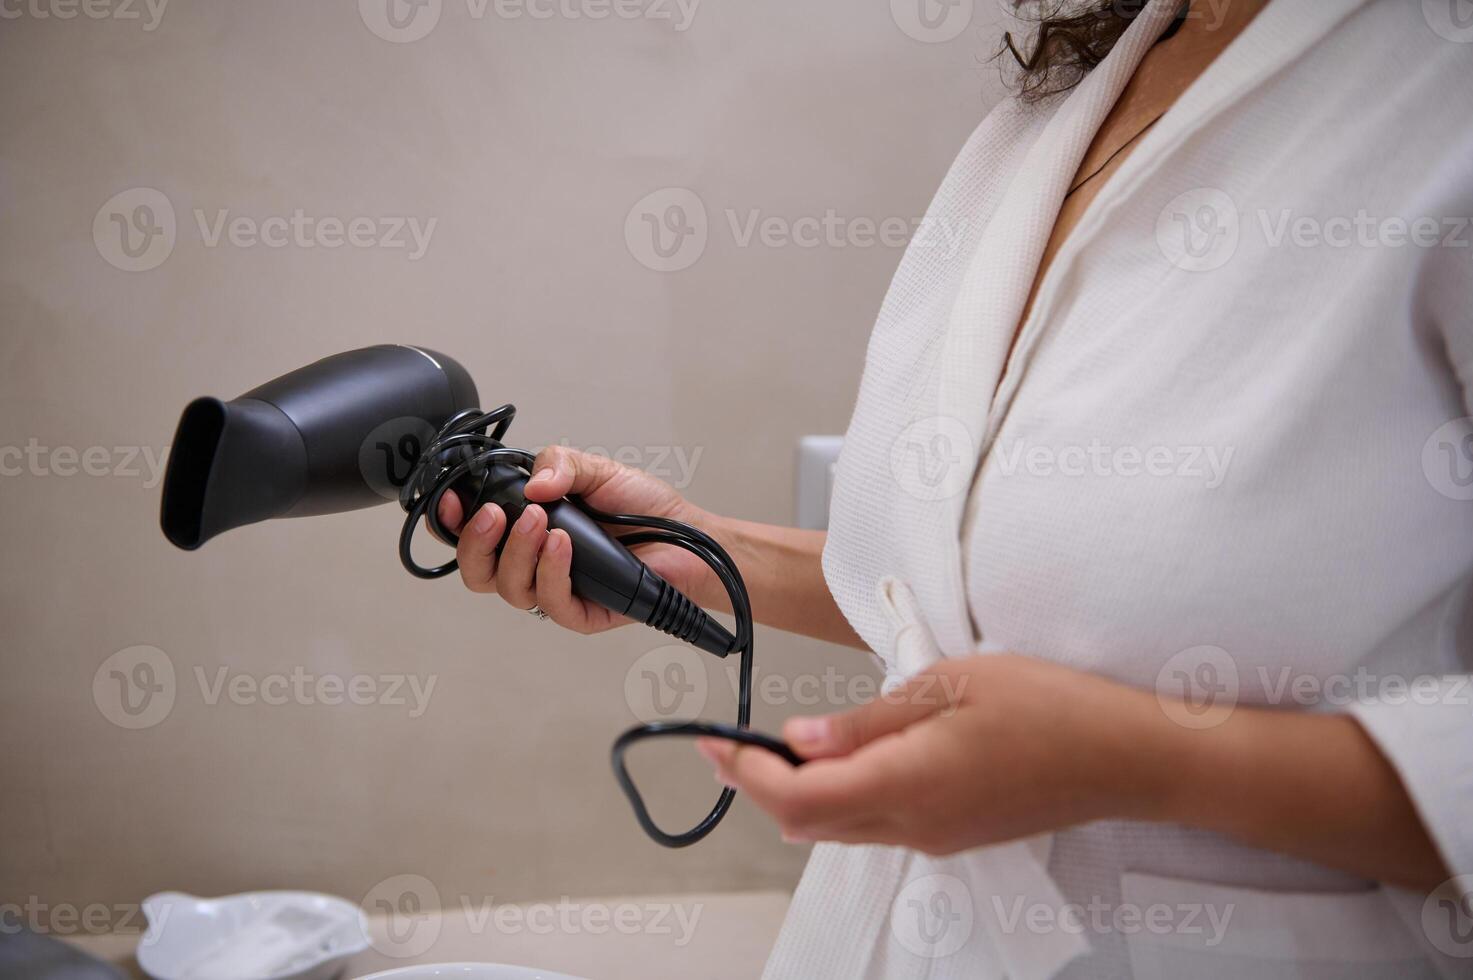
(350, 431)
(297, 446)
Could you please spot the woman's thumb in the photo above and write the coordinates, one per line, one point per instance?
(558, 471)
(823, 736)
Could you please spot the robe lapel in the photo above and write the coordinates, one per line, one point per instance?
(975, 383)
(1280, 33)
(994, 291)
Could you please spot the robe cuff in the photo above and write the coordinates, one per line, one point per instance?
(1426, 731)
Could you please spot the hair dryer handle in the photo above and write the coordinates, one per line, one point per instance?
(603, 570)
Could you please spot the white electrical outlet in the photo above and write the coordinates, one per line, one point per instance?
(817, 456)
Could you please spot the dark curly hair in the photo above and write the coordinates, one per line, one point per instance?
(1073, 37)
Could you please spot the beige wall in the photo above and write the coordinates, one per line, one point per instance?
(528, 141)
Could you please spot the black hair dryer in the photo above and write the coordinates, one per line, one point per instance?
(383, 423)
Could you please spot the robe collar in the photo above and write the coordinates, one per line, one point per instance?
(977, 378)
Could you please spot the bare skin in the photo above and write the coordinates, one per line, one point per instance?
(1021, 746)
(780, 565)
(1163, 75)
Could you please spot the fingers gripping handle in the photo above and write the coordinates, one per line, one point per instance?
(603, 570)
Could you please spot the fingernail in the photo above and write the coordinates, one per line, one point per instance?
(541, 476)
(721, 780)
(554, 544)
(708, 750)
(808, 729)
(526, 522)
(483, 520)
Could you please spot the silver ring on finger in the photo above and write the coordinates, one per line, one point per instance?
(538, 611)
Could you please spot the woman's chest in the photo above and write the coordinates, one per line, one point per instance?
(1211, 431)
(1231, 461)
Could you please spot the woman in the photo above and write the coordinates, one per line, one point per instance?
(1151, 461)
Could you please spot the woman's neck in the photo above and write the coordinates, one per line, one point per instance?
(1160, 79)
(1172, 66)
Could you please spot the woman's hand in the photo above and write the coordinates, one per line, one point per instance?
(976, 751)
(533, 569)
(781, 566)
(986, 749)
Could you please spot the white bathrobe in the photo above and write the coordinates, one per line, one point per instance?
(1232, 438)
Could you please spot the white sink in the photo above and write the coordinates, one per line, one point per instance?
(467, 971)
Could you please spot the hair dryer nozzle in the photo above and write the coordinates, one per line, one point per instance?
(231, 463)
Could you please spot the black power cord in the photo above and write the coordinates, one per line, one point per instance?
(460, 449)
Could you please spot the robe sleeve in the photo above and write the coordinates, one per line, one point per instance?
(1427, 732)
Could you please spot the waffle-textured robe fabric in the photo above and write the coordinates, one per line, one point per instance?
(1231, 444)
